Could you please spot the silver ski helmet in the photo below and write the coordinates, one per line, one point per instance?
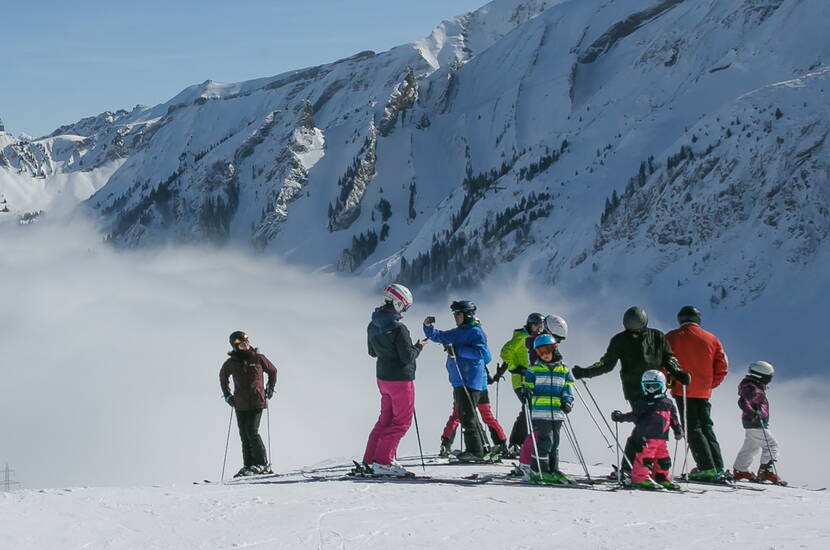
(635, 319)
(556, 326)
(761, 370)
(688, 314)
(398, 296)
(653, 382)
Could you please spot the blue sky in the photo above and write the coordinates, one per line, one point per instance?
(62, 61)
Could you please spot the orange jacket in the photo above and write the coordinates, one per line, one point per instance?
(700, 353)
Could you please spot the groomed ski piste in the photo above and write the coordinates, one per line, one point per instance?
(320, 508)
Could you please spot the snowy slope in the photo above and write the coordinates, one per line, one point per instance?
(293, 513)
(507, 137)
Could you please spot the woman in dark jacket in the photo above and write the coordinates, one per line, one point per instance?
(249, 398)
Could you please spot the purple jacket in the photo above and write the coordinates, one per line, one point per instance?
(652, 418)
(753, 402)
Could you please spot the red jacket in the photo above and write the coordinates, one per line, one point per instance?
(700, 353)
(246, 368)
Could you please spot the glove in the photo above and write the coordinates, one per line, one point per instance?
(526, 394)
(617, 416)
(579, 372)
(566, 407)
(228, 399)
(678, 435)
(490, 379)
(500, 372)
(269, 392)
(682, 376)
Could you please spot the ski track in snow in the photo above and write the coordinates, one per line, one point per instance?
(353, 515)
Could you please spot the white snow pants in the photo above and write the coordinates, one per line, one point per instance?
(755, 441)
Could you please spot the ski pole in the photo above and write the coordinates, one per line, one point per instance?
(418, 434)
(481, 434)
(769, 449)
(685, 431)
(619, 466)
(227, 441)
(607, 425)
(674, 458)
(591, 413)
(532, 437)
(497, 400)
(268, 417)
(578, 448)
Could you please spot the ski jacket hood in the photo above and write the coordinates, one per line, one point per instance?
(247, 368)
(469, 343)
(752, 400)
(701, 354)
(389, 341)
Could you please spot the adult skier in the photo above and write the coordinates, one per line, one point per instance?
(496, 431)
(638, 349)
(548, 390)
(553, 325)
(389, 341)
(466, 363)
(701, 354)
(653, 415)
(514, 353)
(249, 398)
(755, 417)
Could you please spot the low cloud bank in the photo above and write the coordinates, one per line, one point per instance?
(111, 363)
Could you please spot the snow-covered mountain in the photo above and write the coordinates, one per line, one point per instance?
(666, 142)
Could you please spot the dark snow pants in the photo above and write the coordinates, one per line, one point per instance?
(702, 440)
(253, 450)
(547, 442)
(467, 400)
(519, 431)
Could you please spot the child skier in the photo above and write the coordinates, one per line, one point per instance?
(653, 415)
(548, 391)
(755, 406)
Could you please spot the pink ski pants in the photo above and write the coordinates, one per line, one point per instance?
(397, 405)
(653, 462)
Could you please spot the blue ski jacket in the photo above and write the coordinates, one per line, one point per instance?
(470, 345)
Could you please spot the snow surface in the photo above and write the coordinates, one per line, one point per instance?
(294, 513)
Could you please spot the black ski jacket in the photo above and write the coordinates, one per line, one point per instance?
(390, 342)
(636, 356)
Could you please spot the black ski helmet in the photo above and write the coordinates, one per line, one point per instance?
(236, 338)
(534, 319)
(688, 314)
(464, 306)
(635, 319)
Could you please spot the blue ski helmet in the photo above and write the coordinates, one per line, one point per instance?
(543, 340)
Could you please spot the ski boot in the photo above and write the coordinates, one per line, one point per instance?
(711, 475)
(648, 485)
(390, 470)
(472, 458)
(513, 451)
(767, 473)
(446, 448)
(625, 473)
(499, 450)
(523, 471)
(245, 471)
(740, 475)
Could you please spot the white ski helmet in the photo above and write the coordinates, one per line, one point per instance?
(399, 296)
(557, 326)
(653, 382)
(762, 371)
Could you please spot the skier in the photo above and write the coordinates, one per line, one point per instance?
(466, 365)
(389, 341)
(701, 354)
(653, 415)
(250, 396)
(486, 412)
(638, 349)
(547, 389)
(515, 354)
(755, 406)
(553, 325)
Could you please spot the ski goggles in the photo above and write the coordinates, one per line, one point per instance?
(548, 349)
(241, 339)
(652, 387)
